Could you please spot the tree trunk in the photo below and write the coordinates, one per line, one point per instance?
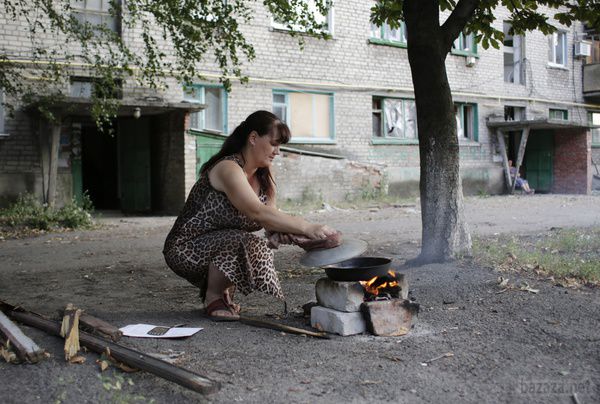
(445, 233)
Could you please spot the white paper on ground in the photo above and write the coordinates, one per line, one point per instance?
(142, 330)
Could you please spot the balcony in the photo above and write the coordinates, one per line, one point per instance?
(591, 74)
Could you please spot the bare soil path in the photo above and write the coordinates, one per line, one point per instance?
(509, 347)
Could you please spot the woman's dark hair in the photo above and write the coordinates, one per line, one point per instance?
(264, 123)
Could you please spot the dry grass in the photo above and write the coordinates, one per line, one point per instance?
(568, 256)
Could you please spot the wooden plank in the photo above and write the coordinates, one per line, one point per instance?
(100, 326)
(128, 356)
(505, 165)
(53, 171)
(25, 348)
(281, 327)
(520, 155)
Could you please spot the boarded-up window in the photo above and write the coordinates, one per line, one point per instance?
(309, 115)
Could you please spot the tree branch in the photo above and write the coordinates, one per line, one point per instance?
(454, 25)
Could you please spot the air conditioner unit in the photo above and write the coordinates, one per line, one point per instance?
(583, 49)
(470, 62)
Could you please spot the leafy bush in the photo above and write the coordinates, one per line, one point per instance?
(27, 211)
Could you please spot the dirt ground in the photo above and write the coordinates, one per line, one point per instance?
(509, 347)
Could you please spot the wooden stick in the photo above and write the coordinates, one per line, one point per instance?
(100, 326)
(24, 346)
(131, 357)
(281, 327)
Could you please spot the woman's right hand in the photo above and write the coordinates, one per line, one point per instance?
(316, 231)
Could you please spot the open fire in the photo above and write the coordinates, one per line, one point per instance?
(382, 287)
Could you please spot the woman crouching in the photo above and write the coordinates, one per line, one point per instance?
(211, 243)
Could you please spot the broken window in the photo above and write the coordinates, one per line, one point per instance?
(95, 13)
(213, 117)
(465, 44)
(514, 113)
(557, 49)
(308, 114)
(466, 121)
(514, 56)
(394, 118)
(559, 114)
(594, 118)
(386, 34)
(326, 21)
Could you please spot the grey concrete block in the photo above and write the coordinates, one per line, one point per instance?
(341, 296)
(337, 322)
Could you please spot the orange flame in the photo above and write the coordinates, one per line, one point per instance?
(374, 290)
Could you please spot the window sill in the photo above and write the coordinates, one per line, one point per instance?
(311, 141)
(286, 30)
(596, 145)
(383, 42)
(4, 136)
(557, 66)
(200, 132)
(388, 141)
(464, 54)
(470, 142)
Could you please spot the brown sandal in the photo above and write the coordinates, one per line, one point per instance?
(220, 305)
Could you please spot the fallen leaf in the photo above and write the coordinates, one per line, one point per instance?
(502, 282)
(8, 355)
(77, 359)
(526, 288)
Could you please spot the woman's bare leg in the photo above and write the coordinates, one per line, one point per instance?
(216, 285)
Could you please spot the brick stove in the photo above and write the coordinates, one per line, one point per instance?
(349, 308)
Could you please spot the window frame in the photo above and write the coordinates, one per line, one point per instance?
(75, 9)
(595, 132)
(202, 113)
(565, 50)
(385, 41)
(474, 122)
(313, 140)
(278, 26)
(565, 113)
(393, 139)
(461, 43)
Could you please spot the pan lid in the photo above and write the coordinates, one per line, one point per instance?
(349, 248)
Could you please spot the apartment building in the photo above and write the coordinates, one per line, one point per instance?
(350, 105)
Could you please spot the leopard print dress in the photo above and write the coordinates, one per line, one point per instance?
(210, 230)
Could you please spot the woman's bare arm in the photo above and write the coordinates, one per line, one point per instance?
(228, 177)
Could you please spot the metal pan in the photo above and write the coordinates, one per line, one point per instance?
(358, 269)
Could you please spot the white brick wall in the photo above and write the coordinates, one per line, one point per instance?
(354, 70)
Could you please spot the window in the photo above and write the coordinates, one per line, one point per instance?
(2, 112)
(387, 36)
(594, 118)
(95, 13)
(514, 56)
(559, 114)
(465, 45)
(308, 114)
(326, 21)
(514, 113)
(214, 117)
(466, 121)
(557, 49)
(86, 87)
(394, 118)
